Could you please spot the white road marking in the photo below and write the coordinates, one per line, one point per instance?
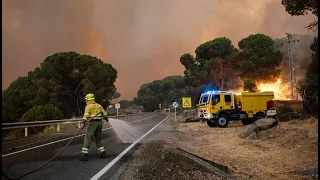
(35, 147)
(24, 139)
(115, 160)
(19, 147)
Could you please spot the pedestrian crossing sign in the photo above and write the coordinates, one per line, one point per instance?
(186, 102)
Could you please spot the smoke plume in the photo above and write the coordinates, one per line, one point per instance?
(142, 39)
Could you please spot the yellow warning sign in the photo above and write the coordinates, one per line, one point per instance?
(186, 102)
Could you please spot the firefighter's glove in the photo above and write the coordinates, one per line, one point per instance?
(106, 119)
(83, 123)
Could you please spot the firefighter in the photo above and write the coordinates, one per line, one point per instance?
(94, 126)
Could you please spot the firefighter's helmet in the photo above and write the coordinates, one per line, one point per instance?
(89, 97)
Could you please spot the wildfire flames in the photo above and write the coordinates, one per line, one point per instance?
(281, 91)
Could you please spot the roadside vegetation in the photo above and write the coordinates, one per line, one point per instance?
(56, 89)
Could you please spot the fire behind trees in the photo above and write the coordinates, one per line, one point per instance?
(309, 87)
(217, 65)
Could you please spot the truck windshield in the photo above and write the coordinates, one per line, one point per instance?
(204, 98)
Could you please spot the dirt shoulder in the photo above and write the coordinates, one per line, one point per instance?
(276, 154)
(157, 160)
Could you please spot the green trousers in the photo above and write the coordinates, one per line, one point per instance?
(93, 133)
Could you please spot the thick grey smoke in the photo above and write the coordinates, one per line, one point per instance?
(301, 53)
(142, 39)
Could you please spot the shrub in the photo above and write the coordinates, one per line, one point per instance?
(41, 113)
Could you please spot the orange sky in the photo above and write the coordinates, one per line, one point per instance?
(142, 39)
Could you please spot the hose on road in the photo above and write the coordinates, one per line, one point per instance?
(47, 162)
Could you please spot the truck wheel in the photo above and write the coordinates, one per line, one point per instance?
(246, 121)
(259, 116)
(222, 121)
(211, 123)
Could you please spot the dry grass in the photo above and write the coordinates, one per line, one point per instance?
(63, 127)
(276, 154)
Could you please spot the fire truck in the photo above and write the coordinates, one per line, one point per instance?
(218, 108)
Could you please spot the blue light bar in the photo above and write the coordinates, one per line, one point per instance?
(218, 92)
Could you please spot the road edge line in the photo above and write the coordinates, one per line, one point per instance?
(116, 159)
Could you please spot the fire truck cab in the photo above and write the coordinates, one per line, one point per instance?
(220, 107)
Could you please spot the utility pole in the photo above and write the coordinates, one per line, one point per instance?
(293, 84)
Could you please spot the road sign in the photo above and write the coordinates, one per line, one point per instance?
(186, 102)
(117, 106)
(175, 104)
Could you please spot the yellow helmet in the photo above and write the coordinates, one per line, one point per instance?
(89, 97)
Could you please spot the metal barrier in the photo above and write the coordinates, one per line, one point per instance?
(26, 125)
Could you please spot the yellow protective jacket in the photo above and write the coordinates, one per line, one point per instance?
(92, 109)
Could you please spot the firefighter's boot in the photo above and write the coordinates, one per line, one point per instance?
(84, 157)
(103, 155)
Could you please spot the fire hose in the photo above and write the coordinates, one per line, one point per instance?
(47, 162)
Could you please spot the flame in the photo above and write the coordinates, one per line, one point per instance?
(238, 91)
(281, 91)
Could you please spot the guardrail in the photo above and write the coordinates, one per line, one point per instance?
(26, 125)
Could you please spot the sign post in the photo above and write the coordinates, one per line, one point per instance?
(175, 105)
(117, 106)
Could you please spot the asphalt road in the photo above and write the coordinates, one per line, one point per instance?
(35, 140)
(67, 166)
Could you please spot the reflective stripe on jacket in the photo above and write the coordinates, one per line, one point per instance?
(93, 109)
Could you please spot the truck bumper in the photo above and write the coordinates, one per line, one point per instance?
(271, 113)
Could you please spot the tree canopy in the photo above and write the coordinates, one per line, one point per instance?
(310, 85)
(62, 80)
(250, 86)
(299, 7)
(213, 63)
(164, 92)
(219, 65)
(116, 95)
(125, 104)
(258, 60)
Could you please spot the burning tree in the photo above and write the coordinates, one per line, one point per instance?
(258, 60)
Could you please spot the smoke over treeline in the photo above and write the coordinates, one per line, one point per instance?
(142, 39)
(301, 53)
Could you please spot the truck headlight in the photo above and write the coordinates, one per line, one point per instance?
(209, 116)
